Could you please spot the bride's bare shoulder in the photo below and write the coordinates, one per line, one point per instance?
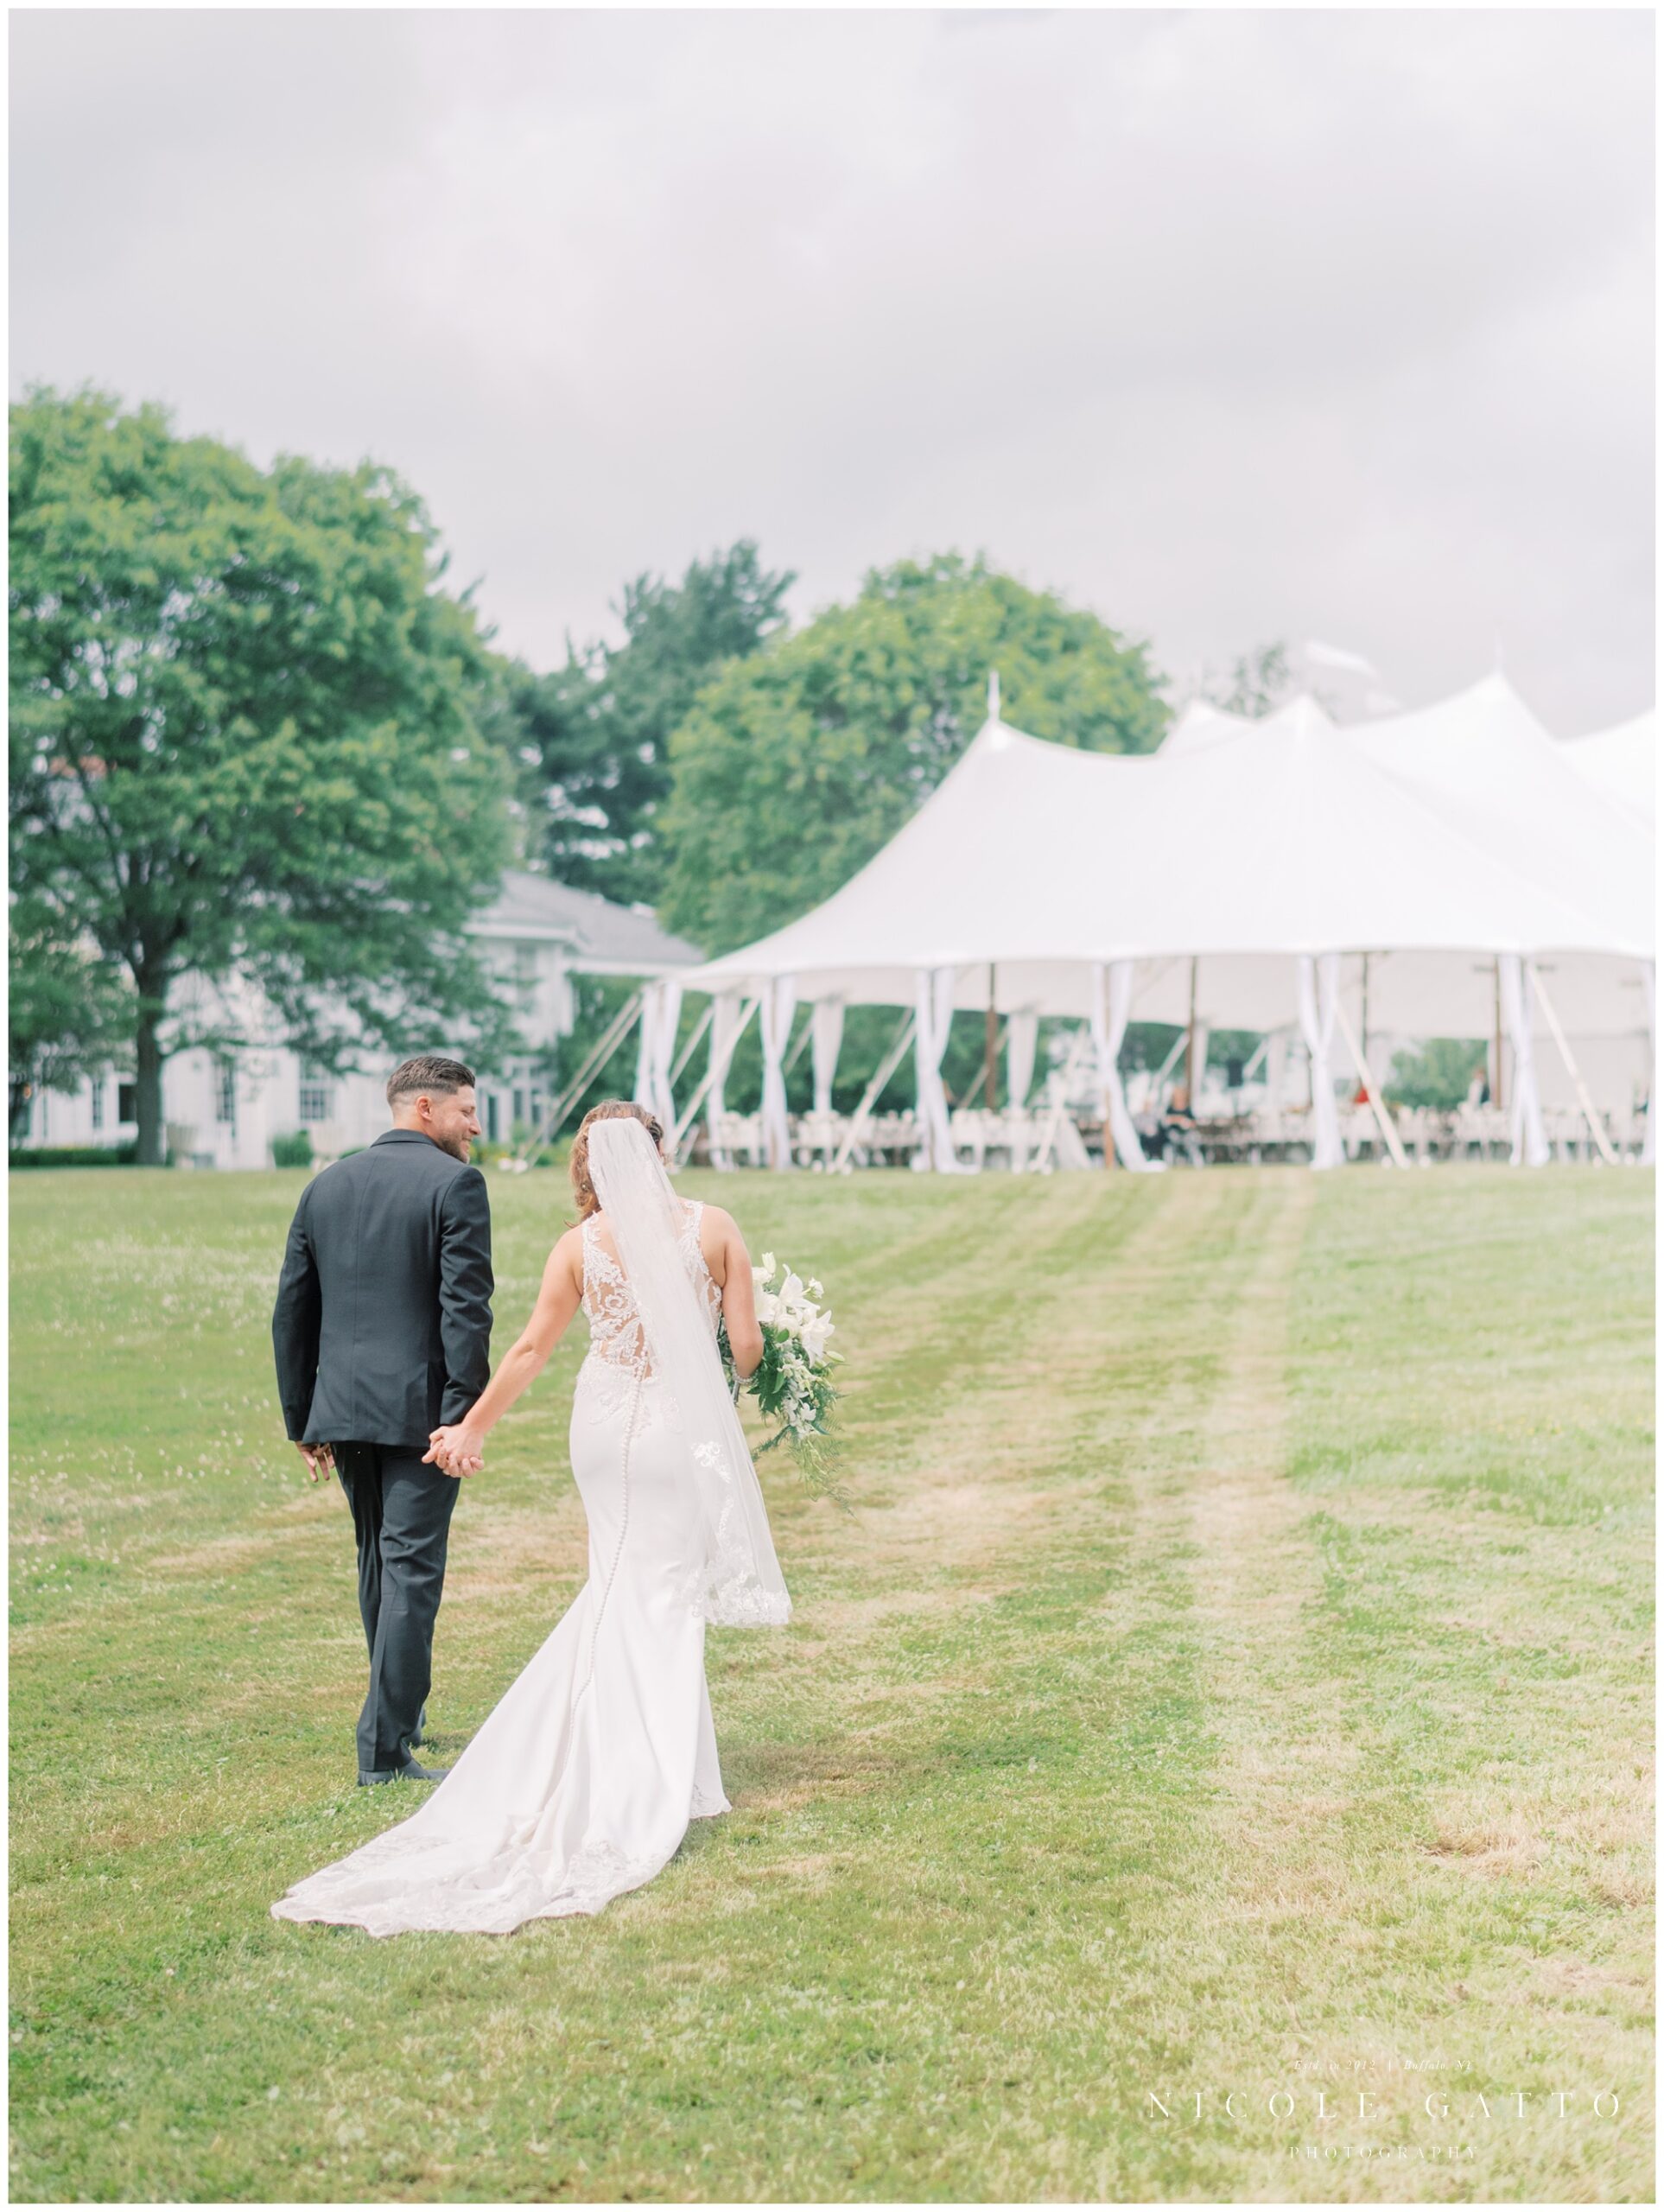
(566, 1257)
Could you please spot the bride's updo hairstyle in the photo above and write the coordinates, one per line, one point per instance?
(610, 1109)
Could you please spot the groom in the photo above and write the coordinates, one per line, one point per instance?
(383, 1332)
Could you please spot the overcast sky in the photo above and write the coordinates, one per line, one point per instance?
(1228, 326)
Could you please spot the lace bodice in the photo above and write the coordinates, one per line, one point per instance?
(615, 1331)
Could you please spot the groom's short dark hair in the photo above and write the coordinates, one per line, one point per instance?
(429, 1071)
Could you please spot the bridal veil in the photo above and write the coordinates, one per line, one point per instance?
(737, 1581)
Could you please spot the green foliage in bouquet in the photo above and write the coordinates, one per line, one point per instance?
(793, 1382)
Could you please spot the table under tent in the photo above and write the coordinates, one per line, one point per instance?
(1454, 873)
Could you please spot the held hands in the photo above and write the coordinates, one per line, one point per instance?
(320, 1460)
(457, 1449)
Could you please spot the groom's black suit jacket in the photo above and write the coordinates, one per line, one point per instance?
(382, 1326)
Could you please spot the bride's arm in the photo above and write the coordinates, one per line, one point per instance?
(460, 1448)
(739, 1295)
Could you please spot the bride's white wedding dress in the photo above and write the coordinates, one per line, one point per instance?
(582, 1782)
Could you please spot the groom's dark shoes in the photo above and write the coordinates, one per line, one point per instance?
(410, 1771)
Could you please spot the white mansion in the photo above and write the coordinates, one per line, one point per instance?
(223, 1110)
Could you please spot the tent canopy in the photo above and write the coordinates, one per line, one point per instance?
(1201, 725)
(1274, 838)
(1488, 765)
(1621, 763)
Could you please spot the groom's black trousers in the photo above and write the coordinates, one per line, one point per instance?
(402, 1513)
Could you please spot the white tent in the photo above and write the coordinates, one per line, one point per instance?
(1037, 875)
(1201, 725)
(1621, 763)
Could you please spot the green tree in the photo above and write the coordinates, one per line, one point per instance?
(1435, 1073)
(67, 1009)
(794, 765)
(1258, 682)
(596, 732)
(243, 734)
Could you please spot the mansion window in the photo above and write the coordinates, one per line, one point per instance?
(127, 1102)
(97, 1102)
(225, 1092)
(314, 1099)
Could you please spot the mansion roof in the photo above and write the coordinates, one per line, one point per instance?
(596, 933)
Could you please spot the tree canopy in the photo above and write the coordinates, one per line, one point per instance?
(797, 764)
(596, 732)
(67, 1010)
(244, 734)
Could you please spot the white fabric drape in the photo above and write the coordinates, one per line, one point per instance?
(1320, 996)
(825, 1042)
(933, 1013)
(726, 1010)
(1022, 1042)
(1525, 1105)
(779, 1000)
(642, 1088)
(1648, 1140)
(1112, 1004)
(725, 1031)
(661, 1010)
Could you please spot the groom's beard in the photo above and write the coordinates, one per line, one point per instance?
(457, 1147)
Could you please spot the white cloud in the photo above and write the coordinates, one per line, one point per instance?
(1229, 325)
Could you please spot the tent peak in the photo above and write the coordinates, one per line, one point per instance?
(994, 694)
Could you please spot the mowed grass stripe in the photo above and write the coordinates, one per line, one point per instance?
(999, 1746)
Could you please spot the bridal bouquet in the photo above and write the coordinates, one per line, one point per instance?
(793, 1382)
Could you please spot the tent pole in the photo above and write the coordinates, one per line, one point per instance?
(678, 1136)
(1383, 1119)
(1497, 1036)
(975, 1082)
(1602, 1144)
(1108, 1135)
(1195, 1072)
(688, 1050)
(1363, 1012)
(796, 1052)
(887, 1068)
(1171, 1062)
(622, 1023)
(991, 1049)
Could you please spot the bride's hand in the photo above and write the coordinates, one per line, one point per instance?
(458, 1449)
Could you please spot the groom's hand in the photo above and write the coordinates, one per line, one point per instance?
(457, 1450)
(320, 1460)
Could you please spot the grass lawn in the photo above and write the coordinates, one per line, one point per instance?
(1236, 1680)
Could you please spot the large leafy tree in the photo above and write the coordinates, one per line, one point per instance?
(794, 765)
(244, 735)
(68, 1012)
(596, 732)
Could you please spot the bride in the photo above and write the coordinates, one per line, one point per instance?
(581, 1780)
